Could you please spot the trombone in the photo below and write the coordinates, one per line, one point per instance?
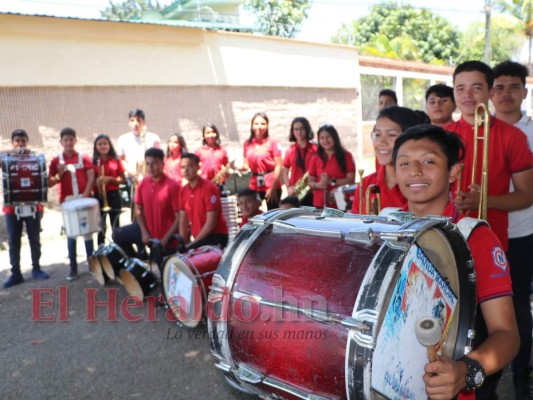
(482, 117)
(373, 206)
(361, 172)
(103, 190)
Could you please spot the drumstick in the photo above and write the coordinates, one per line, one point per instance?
(428, 332)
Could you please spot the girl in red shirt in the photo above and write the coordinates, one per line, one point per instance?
(263, 157)
(391, 122)
(330, 167)
(298, 156)
(213, 157)
(109, 175)
(175, 148)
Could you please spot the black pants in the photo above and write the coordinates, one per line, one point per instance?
(215, 239)
(14, 227)
(114, 200)
(271, 204)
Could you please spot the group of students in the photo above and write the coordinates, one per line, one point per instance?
(418, 166)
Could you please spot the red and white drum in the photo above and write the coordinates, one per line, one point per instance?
(186, 280)
(310, 305)
(24, 178)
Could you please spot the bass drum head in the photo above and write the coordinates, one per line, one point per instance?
(137, 279)
(95, 266)
(184, 293)
(113, 259)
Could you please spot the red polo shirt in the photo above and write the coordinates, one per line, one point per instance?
(113, 168)
(212, 160)
(172, 168)
(244, 220)
(509, 154)
(197, 201)
(291, 155)
(388, 197)
(65, 185)
(160, 201)
(261, 156)
(332, 168)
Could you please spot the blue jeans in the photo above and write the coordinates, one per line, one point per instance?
(71, 244)
(14, 231)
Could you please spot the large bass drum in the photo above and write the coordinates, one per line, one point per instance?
(324, 305)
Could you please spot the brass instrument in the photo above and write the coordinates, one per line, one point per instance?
(374, 207)
(219, 177)
(301, 187)
(361, 172)
(103, 189)
(482, 116)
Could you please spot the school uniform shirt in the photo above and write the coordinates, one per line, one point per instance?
(509, 154)
(212, 160)
(244, 220)
(132, 147)
(113, 168)
(65, 185)
(291, 156)
(197, 201)
(160, 201)
(317, 167)
(261, 154)
(388, 197)
(172, 168)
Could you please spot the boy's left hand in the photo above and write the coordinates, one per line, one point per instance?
(444, 378)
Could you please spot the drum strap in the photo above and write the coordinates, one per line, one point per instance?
(72, 169)
(467, 225)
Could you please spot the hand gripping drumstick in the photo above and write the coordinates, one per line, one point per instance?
(428, 333)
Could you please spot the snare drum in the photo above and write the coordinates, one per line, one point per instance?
(138, 280)
(186, 280)
(95, 266)
(344, 196)
(24, 178)
(81, 217)
(113, 259)
(338, 321)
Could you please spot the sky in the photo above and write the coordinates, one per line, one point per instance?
(324, 19)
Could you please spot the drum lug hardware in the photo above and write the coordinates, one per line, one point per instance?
(223, 366)
(247, 374)
(363, 236)
(472, 277)
(365, 338)
(331, 212)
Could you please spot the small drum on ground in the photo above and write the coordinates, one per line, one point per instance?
(186, 280)
(95, 266)
(81, 217)
(137, 279)
(113, 259)
(344, 196)
(24, 178)
(338, 321)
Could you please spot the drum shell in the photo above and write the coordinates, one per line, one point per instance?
(24, 178)
(199, 266)
(113, 259)
(138, 280)
(95, 266)
(81, 217)
(260, 265)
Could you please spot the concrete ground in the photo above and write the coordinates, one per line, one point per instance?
(81, 359)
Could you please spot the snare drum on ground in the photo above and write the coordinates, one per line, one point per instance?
(137, 279)
(338, 321)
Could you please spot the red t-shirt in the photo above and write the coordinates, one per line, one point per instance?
(388, 197)
(113, 168)
(261, 156)
(197, 201)
(65, 185)
(291, 155)
(172, 168)
(244, 220)
(212, 160)
(332, 168)
(509, 154)
(160, 201)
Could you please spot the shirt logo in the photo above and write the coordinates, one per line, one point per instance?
(213, 199)
(498, 256)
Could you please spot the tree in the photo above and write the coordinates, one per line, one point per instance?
(129, 9)
(436, 39)
(397, 48)
(279, 17)
(506, 39)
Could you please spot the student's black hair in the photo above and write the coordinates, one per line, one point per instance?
(292, 200)
(249, 192)
(475, 65)
(403, 116)
(155, 153)
(96, 155)
(338, 149)
(450, 143)
(137, 113)
(511, 68)
(67, 132)
(440, 90)
(19, 133)
(390, 93)
(191, 156)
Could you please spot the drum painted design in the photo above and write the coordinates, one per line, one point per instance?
(81, 217)
(113, 259)
(186, 280)
(299, 304)
(24, 178)
(137, 279)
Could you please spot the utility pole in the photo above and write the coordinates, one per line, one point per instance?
(488, 40)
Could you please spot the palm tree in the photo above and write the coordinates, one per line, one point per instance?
(399, 48)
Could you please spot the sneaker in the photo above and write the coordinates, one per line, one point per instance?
(13, 280)
(39, 274)
(73, 275)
